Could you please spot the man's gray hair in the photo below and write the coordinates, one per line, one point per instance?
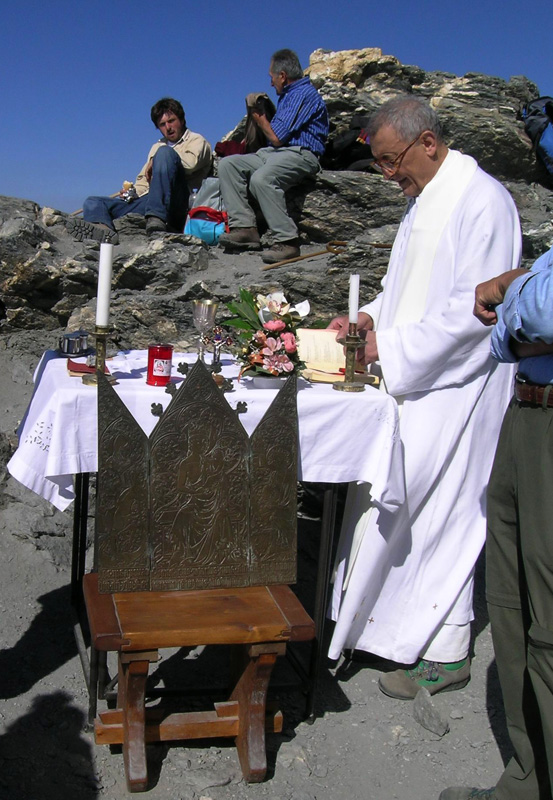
(409, 116)
(287, 61)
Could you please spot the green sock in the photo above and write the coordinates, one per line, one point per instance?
(455, 664)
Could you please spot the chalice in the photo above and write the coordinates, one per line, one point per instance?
(203, 317)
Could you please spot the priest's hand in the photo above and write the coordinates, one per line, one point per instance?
(369, 353)
(490, 294)
(341, 325)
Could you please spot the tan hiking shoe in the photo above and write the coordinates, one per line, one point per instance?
(403, 684)
(281, 251)
(80, 230)
(466, 793)
(240, 239)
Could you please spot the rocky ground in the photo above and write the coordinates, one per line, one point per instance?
(362, 746)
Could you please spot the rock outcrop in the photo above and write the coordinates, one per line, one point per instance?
(48, 281)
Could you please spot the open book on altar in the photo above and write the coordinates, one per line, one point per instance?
(77, 369)
(324, 357)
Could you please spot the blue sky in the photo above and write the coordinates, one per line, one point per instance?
(79, 78)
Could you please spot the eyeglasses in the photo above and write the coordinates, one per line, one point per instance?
(390, 168)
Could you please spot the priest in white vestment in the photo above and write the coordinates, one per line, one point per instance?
(404, 581)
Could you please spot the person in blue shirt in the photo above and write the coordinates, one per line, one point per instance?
(296, 138)
(519, 545)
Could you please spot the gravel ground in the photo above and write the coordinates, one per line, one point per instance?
(362, 745)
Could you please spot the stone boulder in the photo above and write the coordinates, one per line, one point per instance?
(480, 113)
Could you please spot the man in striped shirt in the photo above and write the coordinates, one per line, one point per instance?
(295, 141)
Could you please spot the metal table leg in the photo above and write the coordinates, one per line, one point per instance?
(80, 517)
(321, 594)
(78, 558)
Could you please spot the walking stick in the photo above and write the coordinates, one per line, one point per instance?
(332, 247)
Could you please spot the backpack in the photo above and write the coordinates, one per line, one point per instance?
(538, 124)
(349, 150)
(207, 219)
(248, 136)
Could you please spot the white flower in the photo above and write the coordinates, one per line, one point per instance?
(302, 309)
(275, 297)
(276, 303)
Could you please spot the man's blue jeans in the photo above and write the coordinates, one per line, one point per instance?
(167, 198)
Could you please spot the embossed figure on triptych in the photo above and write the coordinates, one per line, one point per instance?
(199, 484)
(198, 504)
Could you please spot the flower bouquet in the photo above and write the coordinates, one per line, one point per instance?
(265, 332)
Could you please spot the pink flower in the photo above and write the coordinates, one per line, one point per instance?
(289, 341)
(260, 337)
(271, 346)
(274, 325)
(277, 363)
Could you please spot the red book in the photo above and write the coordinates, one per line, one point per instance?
(81, 368)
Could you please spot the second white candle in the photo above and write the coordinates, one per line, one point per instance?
(104, 285)
(353, 298)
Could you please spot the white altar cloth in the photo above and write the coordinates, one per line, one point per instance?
(343, 437)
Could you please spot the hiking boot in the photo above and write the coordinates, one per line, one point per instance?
(155, 225)
(282, 251)
(80, 230)
(403, 684)
(466, 793)
(240, 239)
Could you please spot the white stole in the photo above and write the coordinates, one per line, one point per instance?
(411, 266)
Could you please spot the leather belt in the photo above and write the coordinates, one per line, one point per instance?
(533, 393)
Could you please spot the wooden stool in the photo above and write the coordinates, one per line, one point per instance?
(259, 620)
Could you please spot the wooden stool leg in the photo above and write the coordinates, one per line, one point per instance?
(251, 694)
(93, 685)
(103, 675)
(131, 700)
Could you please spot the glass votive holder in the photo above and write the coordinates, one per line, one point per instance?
(160, 357)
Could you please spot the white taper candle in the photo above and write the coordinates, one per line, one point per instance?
(104, 285)
(353, 298)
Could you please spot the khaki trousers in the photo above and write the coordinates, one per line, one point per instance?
(268, 174)
(519, 580)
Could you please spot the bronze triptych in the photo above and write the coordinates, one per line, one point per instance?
(198, 504)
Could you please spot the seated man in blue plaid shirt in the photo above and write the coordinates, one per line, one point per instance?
(296, 138)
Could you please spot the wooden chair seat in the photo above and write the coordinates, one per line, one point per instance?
(258, 620)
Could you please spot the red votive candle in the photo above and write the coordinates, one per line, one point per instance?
(159, 364)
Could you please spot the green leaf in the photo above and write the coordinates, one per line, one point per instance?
(251, 315)
(233, 307)
(239, 323)
(247, 297)
(245, 309)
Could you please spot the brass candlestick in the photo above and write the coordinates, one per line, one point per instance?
(101, 334)
(351, 344)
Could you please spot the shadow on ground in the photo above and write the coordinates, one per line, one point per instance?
(46, 645)
(52, 728)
